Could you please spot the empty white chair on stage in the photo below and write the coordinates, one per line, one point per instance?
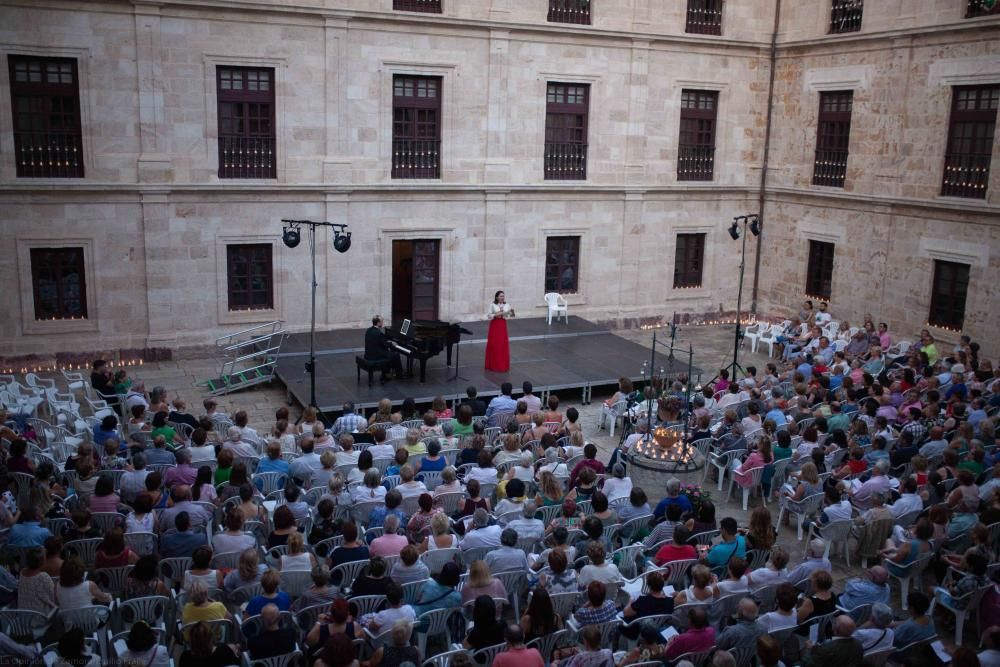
(557, 306)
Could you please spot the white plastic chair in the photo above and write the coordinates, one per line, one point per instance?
(971, 602)
(768, 337)
(916, 569)
(800, 510)
(557, 306)
(755, 483)
(835, 531)
(752, 333)
(610, 414)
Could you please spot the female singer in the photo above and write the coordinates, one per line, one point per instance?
(497, 343)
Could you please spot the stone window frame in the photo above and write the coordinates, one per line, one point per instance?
(943, 76)
(447, 72)
(226, 316)
(722, 122)
(555, 109)
(8, 169)
(282, 132)
(704, 290)
(584, 259)
(29, 325)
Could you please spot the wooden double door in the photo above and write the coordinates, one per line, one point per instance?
(416, 274)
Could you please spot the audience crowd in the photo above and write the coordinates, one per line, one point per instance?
(491, 530)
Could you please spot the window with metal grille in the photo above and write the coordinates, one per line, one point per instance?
(696, 147)
(45, 105)
(246, 122)
(819, 270)
(569, 11)
(562, 263)
(981, 8)
(250, 276)
(59, 283)
(426, 6)
(845, 15)
(689, 258)
(970, 141)
(704, 17)
(833, 135)
(416, 126)
(948, 293)
(566, 110)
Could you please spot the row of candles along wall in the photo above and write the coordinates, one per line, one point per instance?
(69, 367)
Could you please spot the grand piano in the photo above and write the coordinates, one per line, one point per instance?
(423, 339)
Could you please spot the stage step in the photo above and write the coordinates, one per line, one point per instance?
(249, 358)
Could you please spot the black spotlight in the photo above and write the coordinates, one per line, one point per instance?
(734, 231)
(755, 225)
(291, 237)
(342, 241)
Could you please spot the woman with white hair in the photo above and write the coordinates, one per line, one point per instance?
(449, 483)
(552, 464)
(523, 469)
(618, 486)
(370, 489)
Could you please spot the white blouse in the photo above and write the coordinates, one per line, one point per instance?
(503, 308)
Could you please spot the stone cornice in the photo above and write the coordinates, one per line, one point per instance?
(969, 210)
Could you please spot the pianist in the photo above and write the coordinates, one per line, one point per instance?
(377, 348)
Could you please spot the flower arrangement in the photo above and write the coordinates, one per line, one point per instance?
(696, 495)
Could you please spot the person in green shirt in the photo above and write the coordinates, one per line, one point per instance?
(975, 461)
(463, 420)
(783, 448)
(225, 469)
(169, 434)
(837, 419)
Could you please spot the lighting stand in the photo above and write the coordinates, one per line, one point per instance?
(341, 242)
(753, 223)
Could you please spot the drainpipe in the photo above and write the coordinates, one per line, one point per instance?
(767, 149)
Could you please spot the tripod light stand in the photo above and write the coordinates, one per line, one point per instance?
(751, 222)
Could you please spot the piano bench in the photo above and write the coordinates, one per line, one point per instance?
(370, 367)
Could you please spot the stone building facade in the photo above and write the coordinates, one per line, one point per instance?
(154, 221)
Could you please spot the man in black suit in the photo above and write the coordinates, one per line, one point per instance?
(478, 406)
(377, 349)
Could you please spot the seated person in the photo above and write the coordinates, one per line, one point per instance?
(273, 639)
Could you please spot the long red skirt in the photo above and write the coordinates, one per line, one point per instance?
(498, 347)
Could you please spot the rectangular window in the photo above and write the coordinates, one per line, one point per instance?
(416, 126)
(569, 11)
(426, 6)
(833, 135)
(45, 104)
(704, 17)
(246, 122)
(819, 271)
(951, 285)
(696, 147)
(59, 283)
(566, 110)
(979, 8)
(562, 263)
(689, 259)
(845, 15)
(970, 141)
(250, 276)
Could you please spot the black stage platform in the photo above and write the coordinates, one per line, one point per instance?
(577, 355)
